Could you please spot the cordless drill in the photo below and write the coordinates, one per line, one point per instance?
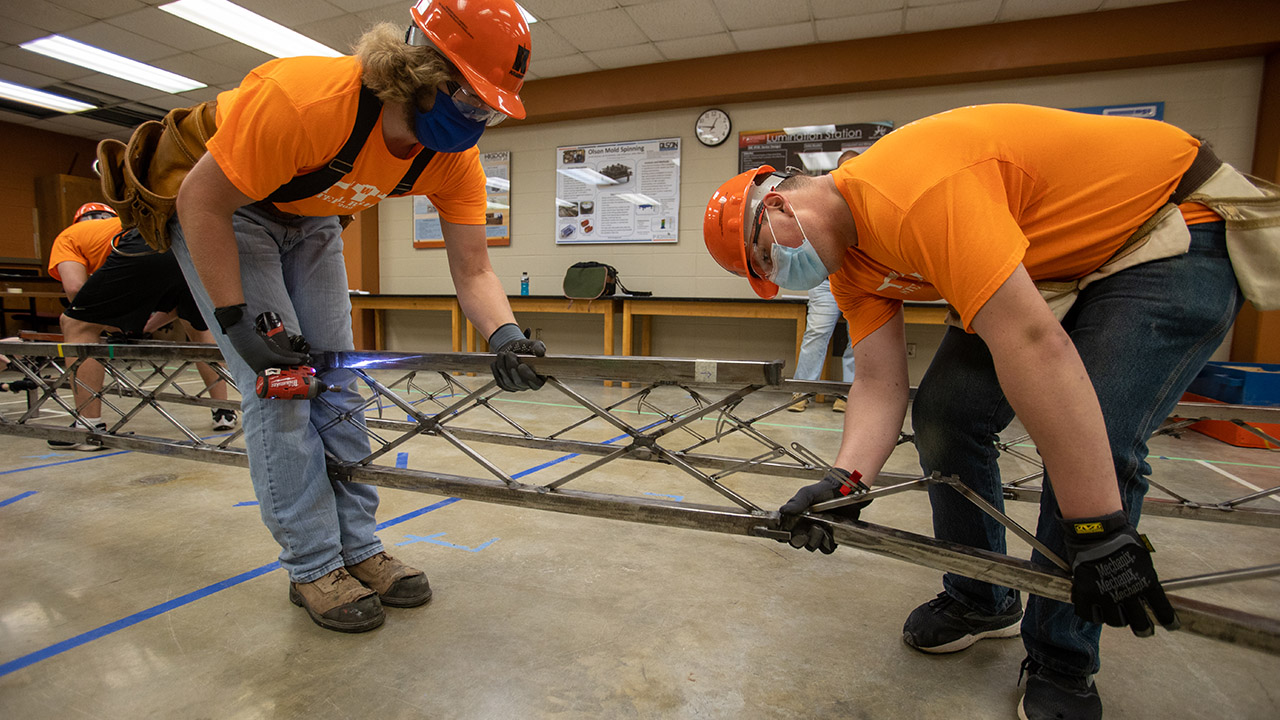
(297, 382)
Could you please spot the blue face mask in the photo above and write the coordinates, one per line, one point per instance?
(796, 268)
(444, 128)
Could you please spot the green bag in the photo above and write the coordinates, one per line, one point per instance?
(592, 280)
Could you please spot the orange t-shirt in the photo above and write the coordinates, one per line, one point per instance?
(291, 116)
(87, 242)
(947, 207)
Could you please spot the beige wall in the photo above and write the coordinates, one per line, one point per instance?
(1217, 100)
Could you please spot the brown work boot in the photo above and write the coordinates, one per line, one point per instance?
(800, 402)
(339, 602)
(397, 584)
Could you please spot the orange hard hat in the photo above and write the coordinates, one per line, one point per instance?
(730, 220)
(487, 40)
(92, 207)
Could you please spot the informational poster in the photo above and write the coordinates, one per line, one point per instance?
(497, 215)
(811, 148)
(1152, 110)
(623, 192)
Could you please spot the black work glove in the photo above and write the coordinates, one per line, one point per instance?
(815, 536)
(257, 351)
(512, 374)
(1113, 580)
(18, 386)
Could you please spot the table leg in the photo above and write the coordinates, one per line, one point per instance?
(455, 330)
(379, 330)
(626, 333)
(646, 335)
(608, 338)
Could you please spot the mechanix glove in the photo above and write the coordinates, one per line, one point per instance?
(1113, 580)
(510, 372)
(809, 535)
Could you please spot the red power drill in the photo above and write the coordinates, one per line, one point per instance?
(298, 382)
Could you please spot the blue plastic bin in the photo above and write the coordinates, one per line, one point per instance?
(1239, 383)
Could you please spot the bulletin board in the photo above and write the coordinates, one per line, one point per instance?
(427, 231)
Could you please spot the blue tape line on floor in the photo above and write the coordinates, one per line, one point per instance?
(402, 460)
(96, 456)
(16, 498)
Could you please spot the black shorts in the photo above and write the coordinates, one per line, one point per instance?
(133, 283)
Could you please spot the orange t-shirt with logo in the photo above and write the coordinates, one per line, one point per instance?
(87, 242)
(947, 207)
(291, 116)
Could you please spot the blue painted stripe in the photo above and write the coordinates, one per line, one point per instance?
(16, 498)
(402, 460)
(95, 456)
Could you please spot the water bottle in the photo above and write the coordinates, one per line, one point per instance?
(524, 283)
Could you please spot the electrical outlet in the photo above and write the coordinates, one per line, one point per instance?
(911, 350)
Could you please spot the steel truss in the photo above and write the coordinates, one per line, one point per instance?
(449, 396)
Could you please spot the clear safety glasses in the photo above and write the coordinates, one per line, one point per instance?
(465, 99)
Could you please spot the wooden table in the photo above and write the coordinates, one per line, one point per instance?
(11, 293)
(379, 304)
(605, 308)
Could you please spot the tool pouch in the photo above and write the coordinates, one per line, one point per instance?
(140, 180)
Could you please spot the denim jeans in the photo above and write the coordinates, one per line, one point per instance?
(1143, 334)
(294, 266)
(820, 321)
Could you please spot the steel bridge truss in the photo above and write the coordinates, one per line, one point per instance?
(450, 396)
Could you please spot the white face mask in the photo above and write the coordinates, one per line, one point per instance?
(795, 268)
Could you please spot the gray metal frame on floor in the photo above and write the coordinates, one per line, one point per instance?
(141, 374)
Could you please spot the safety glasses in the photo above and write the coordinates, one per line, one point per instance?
(465, 99)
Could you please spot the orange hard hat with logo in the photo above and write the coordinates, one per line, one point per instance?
(487, 40)
(93, 207)
(730, 221)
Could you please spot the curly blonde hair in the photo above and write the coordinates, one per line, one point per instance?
(397, 71)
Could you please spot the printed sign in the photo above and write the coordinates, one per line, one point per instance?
(497, 214)
(815, 149)
(624, 192)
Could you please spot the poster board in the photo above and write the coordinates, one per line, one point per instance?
(497, 215)
(811, 148)
(1151, 110)
(622, 192)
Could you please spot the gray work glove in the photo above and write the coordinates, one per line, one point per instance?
(257, 351)
(815, 536)
(510, 372)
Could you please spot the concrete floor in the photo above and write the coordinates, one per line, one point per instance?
(144, 587)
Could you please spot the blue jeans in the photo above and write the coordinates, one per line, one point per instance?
(294, 266)
(819, 322)
(1143, 334)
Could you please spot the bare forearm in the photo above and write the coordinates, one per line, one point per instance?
(212, 244)
(483, 301)
(1049, 389)
(871, 425)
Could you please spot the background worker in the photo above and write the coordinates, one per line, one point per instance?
(460, 68)
(820, 321)
(81, 249)
(974, 206)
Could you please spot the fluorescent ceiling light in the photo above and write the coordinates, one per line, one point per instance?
(227, 18)
(42, 99)
(528, 16)
(97, 59)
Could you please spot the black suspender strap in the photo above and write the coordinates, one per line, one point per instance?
(321, 179)
(415, 170)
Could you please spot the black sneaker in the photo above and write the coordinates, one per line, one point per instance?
(943, 625)
(1051, 695)
(81, 446)
(224, 419)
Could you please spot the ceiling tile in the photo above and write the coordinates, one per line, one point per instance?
(178, 33)
(354, 6)
(547, 43)
(233, 54)
(956, 14)
(823, 9)
(120, 41)
(291, 13)
(551, 9)
(749, 14)
(99, 83)
(599, 30)
(43, 14)
(860, 26)
(673, 19)
(339, 33)
(17, 75)
(567, 65)
(195, 97)
(37, 63)
(79, 125)
(774, 37)
(704, 46)
(644, 54)
(102, 8)
(17, 118)
(14, 32)
(397, 13)
(203, 69)
(1027, 9)
(168, 102)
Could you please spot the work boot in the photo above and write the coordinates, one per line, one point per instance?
(339, 602)
(838, 405)
(397, 584)
(943, 625)
(81, 446)
(798, 402)
(1052, 695)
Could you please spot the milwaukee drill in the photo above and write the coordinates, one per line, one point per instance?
(298, 382)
